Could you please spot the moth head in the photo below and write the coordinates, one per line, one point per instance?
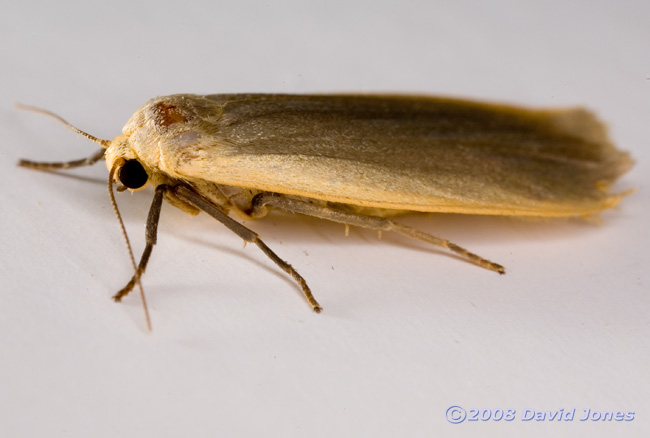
(127, 169)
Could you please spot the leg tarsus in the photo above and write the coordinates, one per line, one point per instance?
(417, 234)
(286, 267)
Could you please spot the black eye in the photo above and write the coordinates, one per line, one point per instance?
(132, 175)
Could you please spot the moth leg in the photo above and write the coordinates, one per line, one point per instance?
(188, 195)
(150, 240)
(64, 165)
(332, 213)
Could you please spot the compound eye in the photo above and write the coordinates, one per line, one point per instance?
(132, 175)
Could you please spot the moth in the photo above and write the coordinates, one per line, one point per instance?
(359, 160)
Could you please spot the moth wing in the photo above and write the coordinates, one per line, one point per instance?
(408, 153)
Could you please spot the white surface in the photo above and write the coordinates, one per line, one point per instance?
(407, 331)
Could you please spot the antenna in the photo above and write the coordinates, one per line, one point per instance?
(104, 143)
(117, 164)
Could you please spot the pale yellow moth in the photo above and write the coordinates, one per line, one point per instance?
(358, 160)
